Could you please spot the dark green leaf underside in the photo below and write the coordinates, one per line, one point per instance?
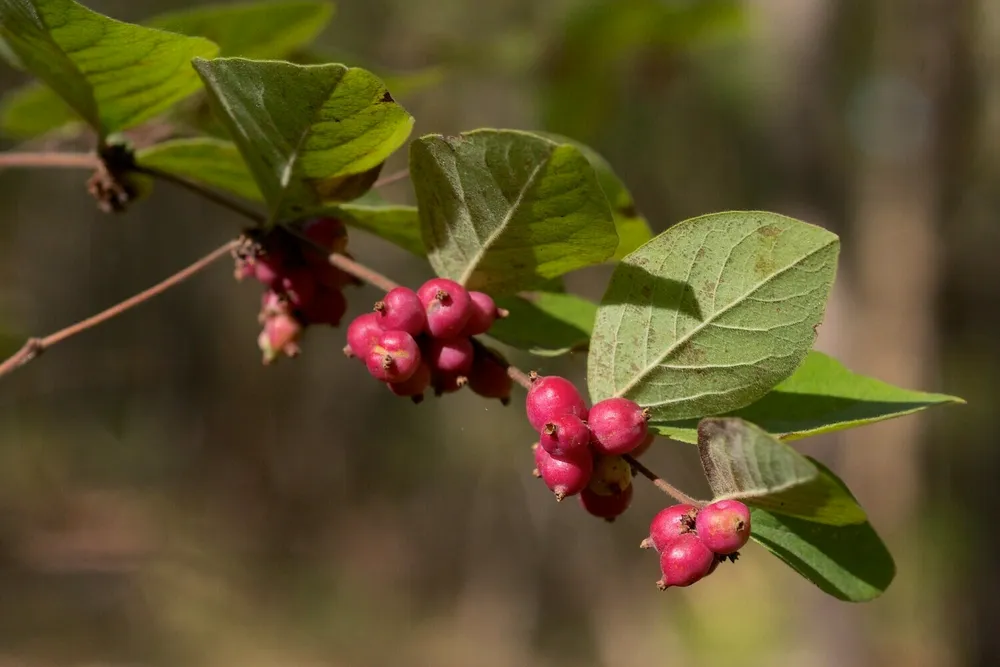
(822, 396)
(744, 462)
(850, 563)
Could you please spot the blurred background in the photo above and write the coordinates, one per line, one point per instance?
(167, 500)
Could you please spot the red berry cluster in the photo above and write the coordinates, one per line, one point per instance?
(692, 542)
(301, 286)
(579, 451)
(415, 340)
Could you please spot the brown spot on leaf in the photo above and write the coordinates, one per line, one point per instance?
(628, 211)
(769, 231)
(387, 97)
(764, 266)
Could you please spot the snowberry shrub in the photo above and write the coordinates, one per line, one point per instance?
(703, 335)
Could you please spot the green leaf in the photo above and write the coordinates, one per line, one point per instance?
(272, 29)
(397, 224)
(850, 563)
(503, 210)
(114, 75)
(632, 228)
(546, 324)
(712, 313)
(821, 396)
(203, 160)
(742, 461)
(32, 110)
(311, 135)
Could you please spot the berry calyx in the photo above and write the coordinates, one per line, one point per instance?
(565, 476)
(447, 305)
(551, 396)
(415, 386)
(618, 426)
(451, 356)
(362, 334)
(565, 435)
(724, 526)
(606, 507)
(401, 310)
(683, 561)
(394, 357)
(612, 475)
(668, 524)
(483, 312)
(489, 378)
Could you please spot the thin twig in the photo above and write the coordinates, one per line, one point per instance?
(211, 195)
(46, 160)
(36, 346)
(362, 272)
(391, 178)
(662, 484)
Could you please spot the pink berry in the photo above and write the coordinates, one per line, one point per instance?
(668, 524)
(415, 386)
(299, 287)
(565, 476)
(724, 526)
(618, 426)
(394, 357)
(362, 335)
(551, 396)
(329, 276)
(447, 383)
(644, 445)
(606, 507)
(272, 303)
(447, 305)
(453, 356)
(684, 561)
(327, 307)
(280, 336)
(489, 378)
(482, 313)
(612, 475)
(565, 435)
(401, 310)
(327, 233)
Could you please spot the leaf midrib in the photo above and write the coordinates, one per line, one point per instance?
(496, 233)
(714, 316)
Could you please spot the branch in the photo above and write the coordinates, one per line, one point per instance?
(662, 484)
(45, 160)
(208, 194)
(391, 178)
(35, 346)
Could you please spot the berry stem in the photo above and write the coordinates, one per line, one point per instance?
(362, 272)
(35, 346)
(662, 484)
(391, 178)
(44, 160)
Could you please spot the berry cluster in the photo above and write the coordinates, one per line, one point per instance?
(415, 340)
(301, 286)
(580, 451)
(692, 542)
